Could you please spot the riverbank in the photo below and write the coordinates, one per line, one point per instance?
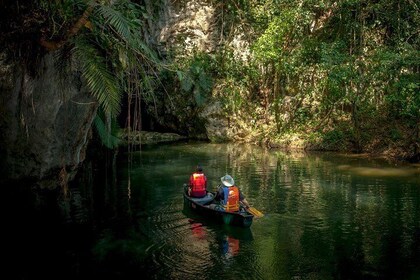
(381, 147)
(395, 151)
(148, 137)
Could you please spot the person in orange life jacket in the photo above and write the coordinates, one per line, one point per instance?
(198, 183)
(229, 195)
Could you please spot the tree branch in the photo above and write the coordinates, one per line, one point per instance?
(52, 45)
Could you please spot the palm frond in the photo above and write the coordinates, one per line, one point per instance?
(102, 84)
(119, 23)
(122, 19)
(145, 51)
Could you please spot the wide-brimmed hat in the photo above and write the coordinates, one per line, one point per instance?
(227, 180)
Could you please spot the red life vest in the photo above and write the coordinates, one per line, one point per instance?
(231, 199)
(198, 184)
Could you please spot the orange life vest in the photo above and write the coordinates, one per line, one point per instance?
(231, 199)
(198, 184)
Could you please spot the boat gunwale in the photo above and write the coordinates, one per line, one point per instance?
(217, 212)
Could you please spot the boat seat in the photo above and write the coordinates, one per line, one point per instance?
(204, 200)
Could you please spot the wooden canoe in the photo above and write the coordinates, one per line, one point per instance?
(206, 207)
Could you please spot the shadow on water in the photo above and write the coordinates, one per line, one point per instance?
(221, 229)
(327, 217)
(39, 240)
(228, 238)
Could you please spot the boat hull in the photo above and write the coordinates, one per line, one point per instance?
(212, 211)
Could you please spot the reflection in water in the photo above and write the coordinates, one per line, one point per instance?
(197, 230)
(230, 246)
(323, 221)
(380, 172)
(327, 217)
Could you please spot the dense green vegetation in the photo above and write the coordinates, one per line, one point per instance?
(341, 75)
(100, 38)
(335, 74)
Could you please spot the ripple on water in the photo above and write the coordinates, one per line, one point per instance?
(315, 209)
(181, 246)
(185, 250)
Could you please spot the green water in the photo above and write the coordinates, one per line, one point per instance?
(327, 216)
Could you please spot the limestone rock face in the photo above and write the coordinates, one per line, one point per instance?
(45, 121)
(217, 126)
(46, 117)
(188, 26)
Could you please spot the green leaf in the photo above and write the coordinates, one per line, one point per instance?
(120, 24)
(102, 84)
(199, 97)
(187, 83)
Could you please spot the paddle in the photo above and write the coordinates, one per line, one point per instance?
(253, 211)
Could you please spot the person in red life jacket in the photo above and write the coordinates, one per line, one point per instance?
(198, 183)
(229, 195)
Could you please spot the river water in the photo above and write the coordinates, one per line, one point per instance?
(327, 216)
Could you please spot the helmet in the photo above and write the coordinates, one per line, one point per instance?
(199, 168)
(227, 180)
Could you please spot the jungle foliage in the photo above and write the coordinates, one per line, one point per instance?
(334, 74)
(100, 39)
(341, 74)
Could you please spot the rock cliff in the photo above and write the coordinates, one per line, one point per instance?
(45, 121)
